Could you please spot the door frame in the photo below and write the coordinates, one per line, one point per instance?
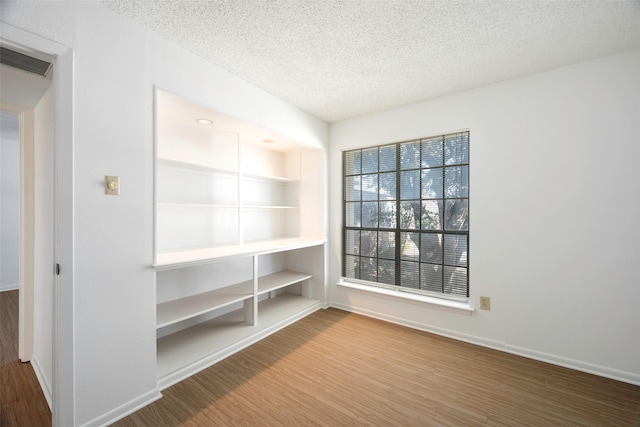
(63, 393)
(27, 232)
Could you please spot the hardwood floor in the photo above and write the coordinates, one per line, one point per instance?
(338, 369)
(22, 402)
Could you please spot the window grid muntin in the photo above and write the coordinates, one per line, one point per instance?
(445, 266)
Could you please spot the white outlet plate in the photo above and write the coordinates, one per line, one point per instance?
(485, 303)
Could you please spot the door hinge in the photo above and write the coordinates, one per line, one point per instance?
(57, 269)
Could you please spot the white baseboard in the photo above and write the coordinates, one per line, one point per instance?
(590, 368)
(42, 379)
(124, 410)
(9, 287)
(603, 371)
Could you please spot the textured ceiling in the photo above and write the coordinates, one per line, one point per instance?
(338, 59)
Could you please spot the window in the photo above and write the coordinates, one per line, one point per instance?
(406, 215)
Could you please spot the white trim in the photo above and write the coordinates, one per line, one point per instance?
(11, 287)
(27, 231)
(457, 306)
(63, 329)
(42, 379)
(602, 371)
(29, 41)
(27, 236)
(578, 365)
(124, 410)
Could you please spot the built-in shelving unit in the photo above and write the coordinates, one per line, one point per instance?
(239, 235)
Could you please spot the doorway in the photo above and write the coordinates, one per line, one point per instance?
(9, 201)
(60, 180)
(27, 223)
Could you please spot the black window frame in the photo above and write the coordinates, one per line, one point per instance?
(451, 241)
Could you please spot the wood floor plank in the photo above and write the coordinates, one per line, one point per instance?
(334, 368)
(22, 402)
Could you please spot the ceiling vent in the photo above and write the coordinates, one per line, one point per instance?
(24, 62)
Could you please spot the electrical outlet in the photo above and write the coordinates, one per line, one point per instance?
(485, 303)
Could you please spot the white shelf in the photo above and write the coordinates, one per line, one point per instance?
(195, 206)
(265, 207)
(188, 351)
(181, 309)
(188, 258)
(197, 167)
(211, 206)
(267, 178)
(227, 209)
(175, 311)
(279, 280)
(194, 167)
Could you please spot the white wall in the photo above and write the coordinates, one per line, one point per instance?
(532, 265)
(117, 64)
(554, 210)
(9, 202)
(43, 242)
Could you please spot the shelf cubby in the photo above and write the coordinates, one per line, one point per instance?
(188, 351)
(181, 309)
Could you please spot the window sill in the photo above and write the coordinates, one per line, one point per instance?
(462, 307)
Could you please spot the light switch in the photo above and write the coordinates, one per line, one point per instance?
(112, 185)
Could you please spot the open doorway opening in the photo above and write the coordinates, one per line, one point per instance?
(27, 105)
(9, 201)
(63, 375)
